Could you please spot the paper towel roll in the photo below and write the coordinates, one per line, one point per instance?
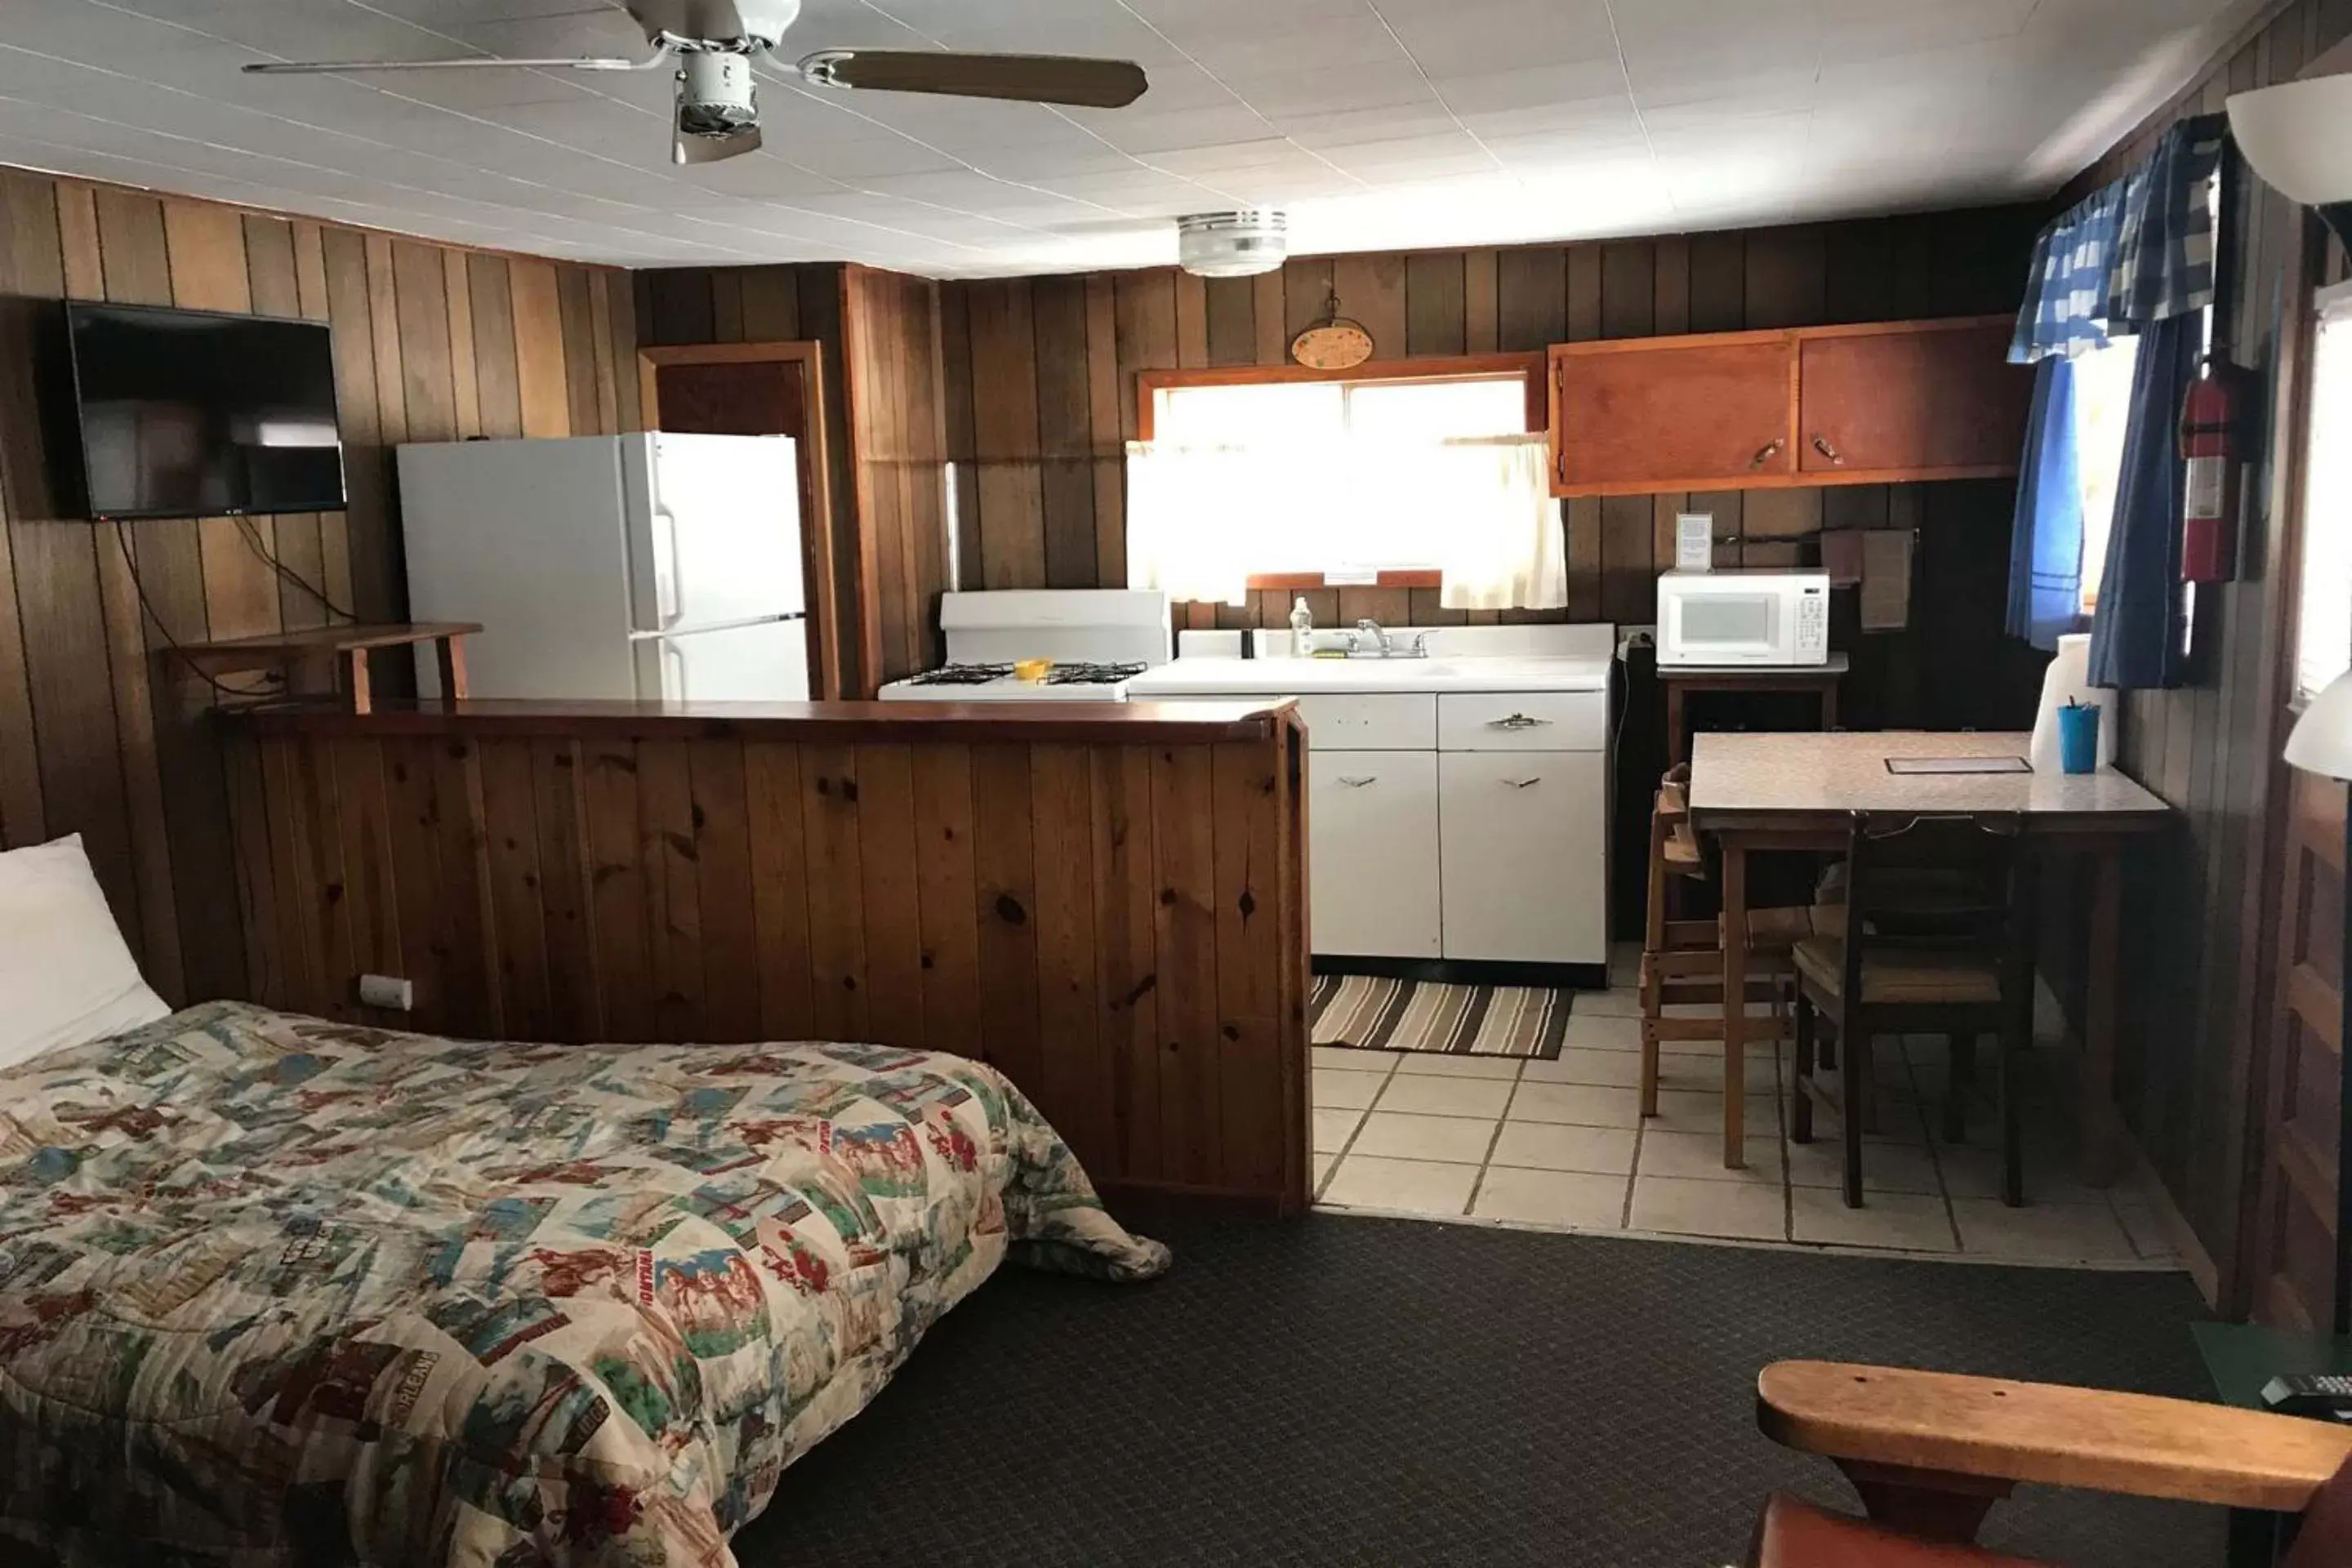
(2069, 680)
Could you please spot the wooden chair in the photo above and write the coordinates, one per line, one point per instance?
(1931, 1453)
(1682, 961)
(1937, 940)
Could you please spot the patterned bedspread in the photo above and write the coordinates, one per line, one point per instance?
(280, 1290)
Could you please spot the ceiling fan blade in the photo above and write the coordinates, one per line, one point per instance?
(712, 148)
(1032, 78)
(477, 62)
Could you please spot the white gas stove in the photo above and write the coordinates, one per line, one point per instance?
(1096, 640)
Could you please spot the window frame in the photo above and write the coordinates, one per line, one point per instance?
(1532, 366)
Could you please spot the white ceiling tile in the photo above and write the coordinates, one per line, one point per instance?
(1378, 122)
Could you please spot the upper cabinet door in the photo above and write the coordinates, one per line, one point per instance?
(1672, 413)
(1919, 399)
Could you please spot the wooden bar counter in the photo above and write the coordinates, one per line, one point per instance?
(1106, 901)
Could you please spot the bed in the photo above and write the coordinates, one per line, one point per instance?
(280, 1290)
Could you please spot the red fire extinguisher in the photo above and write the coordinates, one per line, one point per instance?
(2208, 442)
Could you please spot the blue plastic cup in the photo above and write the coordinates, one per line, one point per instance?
(2078, 738)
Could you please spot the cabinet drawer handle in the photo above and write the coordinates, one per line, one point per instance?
(1516, 721)
(1358, 781)
(1766, 452)
(1524, 783)
(1821, 445)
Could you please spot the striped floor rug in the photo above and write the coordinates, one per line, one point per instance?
(1379, 1014)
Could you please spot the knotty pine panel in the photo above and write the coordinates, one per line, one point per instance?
(101, 734)
(1118, 927)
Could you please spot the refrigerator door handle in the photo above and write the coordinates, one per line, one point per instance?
(674, 680)
(666, 594)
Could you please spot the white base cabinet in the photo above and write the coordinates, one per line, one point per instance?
(1459, 824)
(1372, 856)
(1523, 855)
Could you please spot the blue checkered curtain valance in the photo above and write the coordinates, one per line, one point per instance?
(2068, 282)
(2163, 254)
(2134, 252)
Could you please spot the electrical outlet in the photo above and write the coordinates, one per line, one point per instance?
(387, 992)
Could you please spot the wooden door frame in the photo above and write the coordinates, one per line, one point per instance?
(816, 481)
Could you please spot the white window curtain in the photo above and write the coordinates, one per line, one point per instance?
(1202, 518)
(1501, 544)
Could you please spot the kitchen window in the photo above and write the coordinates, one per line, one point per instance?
(1435, 478)
(2324, 634)
(2102, 387)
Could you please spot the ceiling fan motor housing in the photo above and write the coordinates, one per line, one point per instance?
(1237, 244)
(715, 93)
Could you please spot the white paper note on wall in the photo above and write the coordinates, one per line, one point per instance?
(1695, 542)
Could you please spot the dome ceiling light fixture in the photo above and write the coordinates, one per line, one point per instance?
(1237, 244)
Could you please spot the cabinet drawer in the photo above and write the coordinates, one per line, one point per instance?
(1525, 857)
(1523, 721)
(1372, 854)
(1389, 722)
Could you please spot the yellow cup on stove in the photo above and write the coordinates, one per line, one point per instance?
(1032, 669)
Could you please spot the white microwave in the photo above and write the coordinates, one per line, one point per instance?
(1748, 618)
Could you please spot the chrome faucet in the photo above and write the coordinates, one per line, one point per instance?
(1381, 644)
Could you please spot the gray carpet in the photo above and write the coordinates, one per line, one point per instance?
(1349, 1390)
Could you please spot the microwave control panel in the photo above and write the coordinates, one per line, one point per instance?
(1813, 621)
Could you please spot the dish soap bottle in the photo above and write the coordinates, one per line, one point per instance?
(1302, 629)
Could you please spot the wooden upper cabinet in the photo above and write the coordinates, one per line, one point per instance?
(1672, 413)
(1932, 399)
(1888, 402)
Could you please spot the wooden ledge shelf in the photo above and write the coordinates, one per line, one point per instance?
(313, 659)
(1169, 724)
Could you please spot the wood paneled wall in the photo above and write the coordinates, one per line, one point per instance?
(1115, 918)
(1041, 373)
(2204, 919)
(97, 731)
(899, 452)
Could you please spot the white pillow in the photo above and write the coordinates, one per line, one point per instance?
(65, 974)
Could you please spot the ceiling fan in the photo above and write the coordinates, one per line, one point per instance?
(714, 42)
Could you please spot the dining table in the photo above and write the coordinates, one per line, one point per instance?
(1799, 792)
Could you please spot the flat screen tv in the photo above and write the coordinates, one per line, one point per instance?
(194, 413)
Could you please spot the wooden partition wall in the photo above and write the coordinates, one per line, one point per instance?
(1108, 906)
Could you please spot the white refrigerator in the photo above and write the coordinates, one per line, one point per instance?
(655, 566)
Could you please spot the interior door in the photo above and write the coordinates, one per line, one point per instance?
(1920, 399)
(1679, 414)
(761, 389)
(2292, 1253)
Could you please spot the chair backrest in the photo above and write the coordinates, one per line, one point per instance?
(1920, 881)
(2324, 1538)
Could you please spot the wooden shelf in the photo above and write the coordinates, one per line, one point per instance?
(311, 658)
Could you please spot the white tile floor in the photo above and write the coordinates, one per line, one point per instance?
(1562, 1145)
